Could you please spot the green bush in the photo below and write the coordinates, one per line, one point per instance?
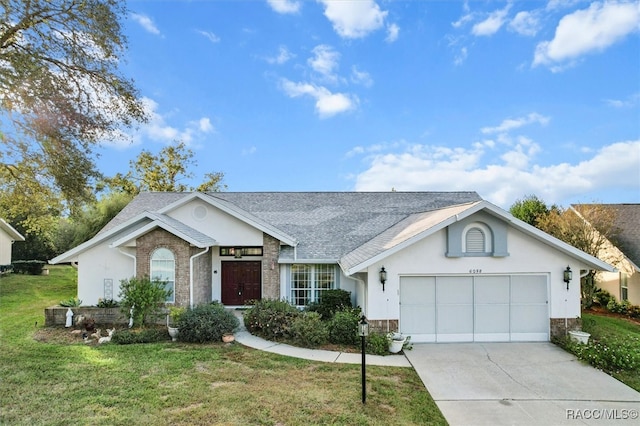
(343, 327)
(145, 296)
(31, 267)
(610, 355)
(602, 297)
(618, 308)
(206, 323)
(71, 303)
(309, 330)
(377, 344)
(145, 335)
(108, 303)
(331, 301)
(271, 319)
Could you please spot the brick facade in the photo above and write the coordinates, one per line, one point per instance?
(558, 329)
(270, 267)
(157, 238)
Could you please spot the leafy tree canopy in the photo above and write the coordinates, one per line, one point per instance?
(529, 209)
(164, 172)
(60, 92)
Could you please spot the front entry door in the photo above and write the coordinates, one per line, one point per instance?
(241, 282)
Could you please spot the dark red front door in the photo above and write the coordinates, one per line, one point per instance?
(241, 282)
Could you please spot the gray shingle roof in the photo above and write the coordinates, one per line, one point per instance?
(327, 225)
(628, 223)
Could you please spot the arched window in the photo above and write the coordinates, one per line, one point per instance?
(163, 268)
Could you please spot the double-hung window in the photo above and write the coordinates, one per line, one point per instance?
(163, 268)
(624, 287)
(309, 281)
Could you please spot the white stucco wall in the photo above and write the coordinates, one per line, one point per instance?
(5, 248)
(527, 256)
(100, 263)
(224, 228)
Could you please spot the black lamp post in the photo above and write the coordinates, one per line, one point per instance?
(363, 332)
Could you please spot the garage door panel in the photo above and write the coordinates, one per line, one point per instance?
(529, 318)
(419, 319)
(479, 308)
(454, 290)
(454, 319)
(491, 319)
(528, 289)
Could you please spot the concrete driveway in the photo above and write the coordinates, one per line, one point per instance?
(520, 384)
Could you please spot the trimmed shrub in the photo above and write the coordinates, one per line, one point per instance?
(331, 301)
(145, 335)
(206, 323)
(271, 319)
(603, 297)
(377, 344)
(309, 330)
(31, 267)
(343, 327)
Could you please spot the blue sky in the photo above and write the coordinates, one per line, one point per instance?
(503, 98)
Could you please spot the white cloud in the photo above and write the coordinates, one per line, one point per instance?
(285, 6)
(525, 23)
(588, 30)
(146, 23)
(157, 129)
(282, 57)
(492, 24)
(210, 36)
(328, 104)
(461, 56)
(354, 18)
(393, 31)
(630, 102)
(503, 179)
(361, 77)
(249, 151)
(325, 61)
(514, 123)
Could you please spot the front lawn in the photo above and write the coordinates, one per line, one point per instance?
(623, 334)
(176, 383)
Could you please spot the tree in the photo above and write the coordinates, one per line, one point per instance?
(60, 91)
(530, 209)
(145, 296)
(164, 172)
(587, 227)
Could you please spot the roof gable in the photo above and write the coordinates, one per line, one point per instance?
(10, 231)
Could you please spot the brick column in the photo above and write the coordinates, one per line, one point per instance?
(270, 267)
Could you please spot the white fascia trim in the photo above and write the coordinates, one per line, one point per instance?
(11, 231)
(308, 261)
(158, 224)
(234, 211)
(72, 254)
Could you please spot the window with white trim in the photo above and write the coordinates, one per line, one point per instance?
(163, 268)
(309, 281)
(624, 286)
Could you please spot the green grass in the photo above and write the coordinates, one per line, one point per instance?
(176, 383)
(620, 332)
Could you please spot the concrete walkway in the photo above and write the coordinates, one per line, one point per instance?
(248, 339)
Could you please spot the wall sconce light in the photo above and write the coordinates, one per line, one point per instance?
(568, 276)
(383, 277)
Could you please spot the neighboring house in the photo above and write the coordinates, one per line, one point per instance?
(624, 254)
(456, 267)
(8, 235)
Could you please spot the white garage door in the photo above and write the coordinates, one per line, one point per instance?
(487, 308)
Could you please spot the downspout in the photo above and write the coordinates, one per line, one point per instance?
(135, 260)
(191, 259)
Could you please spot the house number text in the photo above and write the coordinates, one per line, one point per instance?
(475, 271)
